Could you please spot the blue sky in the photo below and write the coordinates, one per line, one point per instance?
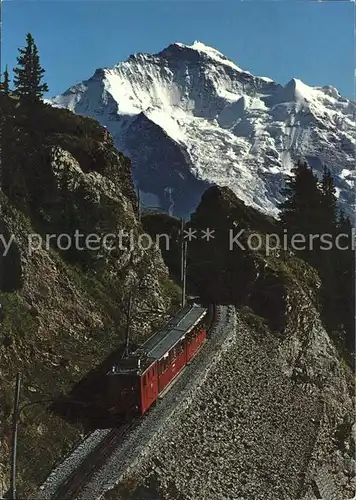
(313, 41)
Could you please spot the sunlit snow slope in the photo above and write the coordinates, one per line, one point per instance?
(188, 116)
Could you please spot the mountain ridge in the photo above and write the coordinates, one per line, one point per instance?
(233, 128)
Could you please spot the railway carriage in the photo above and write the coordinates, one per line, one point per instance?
(137, 381)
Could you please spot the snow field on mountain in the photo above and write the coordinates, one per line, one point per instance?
(233, 128)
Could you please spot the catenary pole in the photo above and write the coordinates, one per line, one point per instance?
(181, 250)
(128, 324)
(185, 251)
(15, 418)
(139, 203)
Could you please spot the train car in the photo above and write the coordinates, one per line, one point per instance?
(132, 386)
(136, 382)
(170, 346)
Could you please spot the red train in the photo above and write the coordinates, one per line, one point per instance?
(137, 381)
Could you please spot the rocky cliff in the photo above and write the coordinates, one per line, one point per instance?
(256, 429)
(63, 306)
(274, 418)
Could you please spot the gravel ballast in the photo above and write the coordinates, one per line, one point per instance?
(247, 434)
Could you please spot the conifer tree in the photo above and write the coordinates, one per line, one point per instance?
(328, 226)
(311, 208)
(343, 223)
(328, 202)
(6, 83)
(29, 73)
(344, 284)
(300, 212)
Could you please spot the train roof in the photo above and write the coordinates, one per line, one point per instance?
(175, 330)
(161, 342)
(132, 365)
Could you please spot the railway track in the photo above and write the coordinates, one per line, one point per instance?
(71, 487)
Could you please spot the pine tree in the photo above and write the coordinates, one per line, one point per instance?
(327, 260)
(328, 226)
(29, 73)
(300, 212)
(328, 202)
(344, 284)
(37, 74)
(22, 79)
(343, 223)
(6, 83)
(311, 208)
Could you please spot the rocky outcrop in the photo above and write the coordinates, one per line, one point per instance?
(64, 307)
(274, 418)
(247, 434)
(175, 186)
(253, 430)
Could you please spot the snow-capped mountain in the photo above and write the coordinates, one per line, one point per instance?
(189, 117)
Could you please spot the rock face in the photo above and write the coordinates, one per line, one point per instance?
(166, 173)
(256, 429)
(275, 414)
(248, 433)
(64, 309)
(274, 417)
(190, 114)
